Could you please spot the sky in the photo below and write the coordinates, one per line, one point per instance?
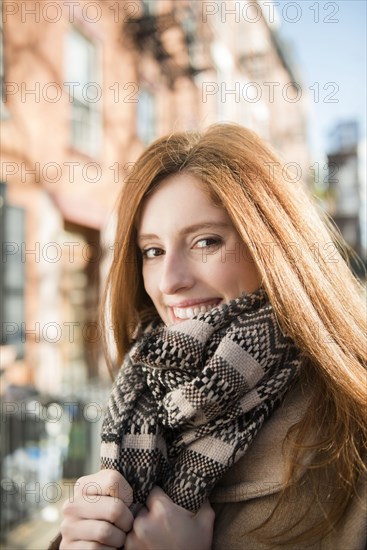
(329, 47)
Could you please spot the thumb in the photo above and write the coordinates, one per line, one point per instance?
(121, 489)
(157, 498)
(206, 514)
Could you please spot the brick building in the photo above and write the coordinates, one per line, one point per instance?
(86, 85)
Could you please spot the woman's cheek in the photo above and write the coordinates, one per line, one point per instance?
(151, 281)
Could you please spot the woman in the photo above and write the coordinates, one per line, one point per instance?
(237, 419)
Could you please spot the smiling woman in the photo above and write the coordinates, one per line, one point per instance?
(242, 386)
(193, 257)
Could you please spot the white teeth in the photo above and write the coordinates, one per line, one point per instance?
(189, 312)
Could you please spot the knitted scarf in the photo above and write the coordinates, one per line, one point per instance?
(190, 398)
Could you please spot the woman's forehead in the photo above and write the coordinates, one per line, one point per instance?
(180, 200)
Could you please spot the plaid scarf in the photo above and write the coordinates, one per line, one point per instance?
(190, 398)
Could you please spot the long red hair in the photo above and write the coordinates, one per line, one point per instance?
(316, 297)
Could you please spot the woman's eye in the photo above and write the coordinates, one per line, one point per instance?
(208, 242)
(152, 252)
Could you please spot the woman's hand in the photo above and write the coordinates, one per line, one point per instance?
(97, 516)
(162, 525)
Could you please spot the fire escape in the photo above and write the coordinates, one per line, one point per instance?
(170, 38)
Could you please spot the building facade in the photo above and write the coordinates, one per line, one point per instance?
(85, 87)
(346, 189)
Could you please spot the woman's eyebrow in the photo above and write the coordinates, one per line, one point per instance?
(186, 230)
(202, 225)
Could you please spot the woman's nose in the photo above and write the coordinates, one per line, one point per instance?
(176, 274)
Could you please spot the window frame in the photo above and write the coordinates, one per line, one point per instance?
(86, 119)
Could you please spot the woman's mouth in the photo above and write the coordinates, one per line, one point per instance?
(184, 313)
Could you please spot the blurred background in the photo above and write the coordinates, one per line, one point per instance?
(86, 85)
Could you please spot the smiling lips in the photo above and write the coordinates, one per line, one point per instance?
(184, 313)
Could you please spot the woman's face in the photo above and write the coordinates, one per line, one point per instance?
(193, 257)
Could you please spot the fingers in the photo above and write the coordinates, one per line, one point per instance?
(97, 516)
(105, 482)
(102, 532)
(106, 508)
(164, 524)
(118, 486)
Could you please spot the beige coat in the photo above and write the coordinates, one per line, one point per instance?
(248, 492)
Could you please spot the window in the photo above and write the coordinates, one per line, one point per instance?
(146, 116)
(83, 85)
